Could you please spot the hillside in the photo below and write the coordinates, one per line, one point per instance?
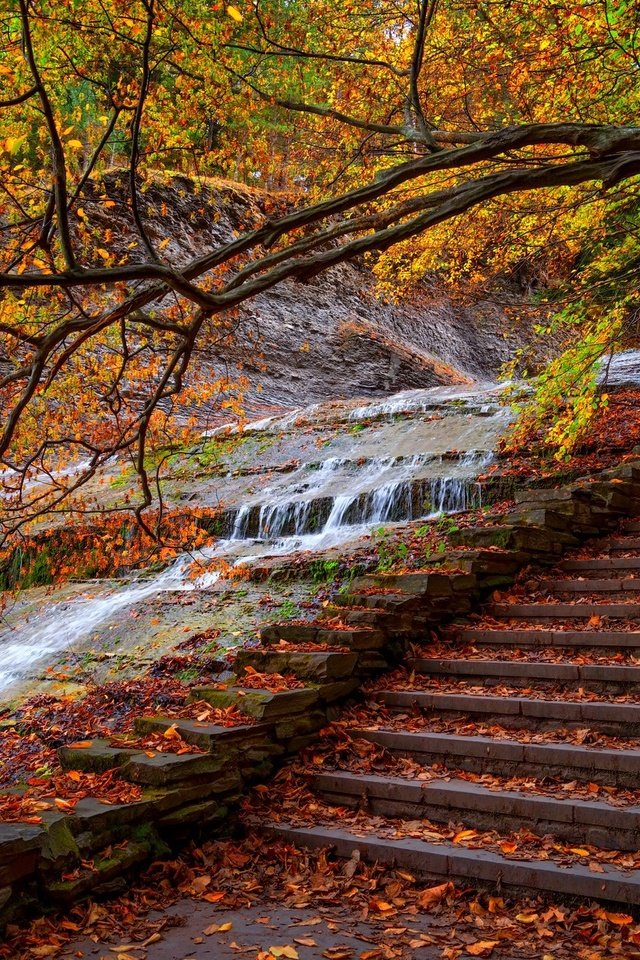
(332, 337)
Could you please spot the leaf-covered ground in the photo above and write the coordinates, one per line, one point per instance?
(264, 900)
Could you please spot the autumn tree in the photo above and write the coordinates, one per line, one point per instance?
(459, 136)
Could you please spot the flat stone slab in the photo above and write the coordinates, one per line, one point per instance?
(496, 669)
(207, 736)
(318, 666)
(261, 704)
(97, 757)
(20, 845)
(439, 799)
(139, 766)
(565, 611)
(568, 710)
(623, 543)
(357, 638)
(459, 863)
(507, 669)
(622, 639)
(612, 585)
(602, 563)
(567, 756)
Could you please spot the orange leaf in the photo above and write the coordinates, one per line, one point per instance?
(481, 948)
(434, 894)
(619, 919)
(465, 835)
(381, 906)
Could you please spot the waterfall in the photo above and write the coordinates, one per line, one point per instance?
(371, 474)
(391, 489)
(69, 621)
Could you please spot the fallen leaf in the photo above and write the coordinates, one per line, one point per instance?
(434, 894)
(217, 928)
(481, 948)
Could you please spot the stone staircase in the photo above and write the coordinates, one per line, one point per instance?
(517, 729)
(503, 750)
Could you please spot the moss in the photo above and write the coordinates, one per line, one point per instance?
(147, 835)
(59, 842)
(39, 573)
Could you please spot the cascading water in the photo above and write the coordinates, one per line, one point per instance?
(382, 490)
(65, 623)
(389, 471)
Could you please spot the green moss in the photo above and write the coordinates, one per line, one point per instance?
(39, 573)
(60, 841)
(146, 834)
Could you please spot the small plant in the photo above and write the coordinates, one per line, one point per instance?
(324, 571)
(389, 554)
(288, 610)
(447, 524)
(356, 428)
(39, 574)
(45, 771)
(188, 675)
(432, 551)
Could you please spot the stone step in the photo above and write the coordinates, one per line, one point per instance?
(623, 544)
(588, 639)
(315, 665)
(397, 624)
(503, 757)
(468, 865)
(393, 601)
(148, 768)
(564, 611)
(526, 712)
(425, 583)
(261, 703)
(601, 564)
(359, 637)
(587, 585)
(588, 675)
(577, 821)
(212, 737)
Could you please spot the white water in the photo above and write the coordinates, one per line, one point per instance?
(65, 623)
(320, 505)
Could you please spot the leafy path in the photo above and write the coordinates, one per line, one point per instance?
(476, 797)
(453, 773)
(265, 900)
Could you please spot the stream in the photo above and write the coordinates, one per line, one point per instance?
(420, 457)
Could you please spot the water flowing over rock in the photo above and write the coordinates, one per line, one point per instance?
(359, 466)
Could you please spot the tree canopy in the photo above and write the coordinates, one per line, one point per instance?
(465, 137)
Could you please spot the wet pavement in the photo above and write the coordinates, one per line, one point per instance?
(311, 934)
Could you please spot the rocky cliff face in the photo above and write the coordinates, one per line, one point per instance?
(329, 338)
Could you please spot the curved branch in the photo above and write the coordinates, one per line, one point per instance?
(21, 98)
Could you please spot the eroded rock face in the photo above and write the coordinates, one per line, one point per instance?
(329, 338)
